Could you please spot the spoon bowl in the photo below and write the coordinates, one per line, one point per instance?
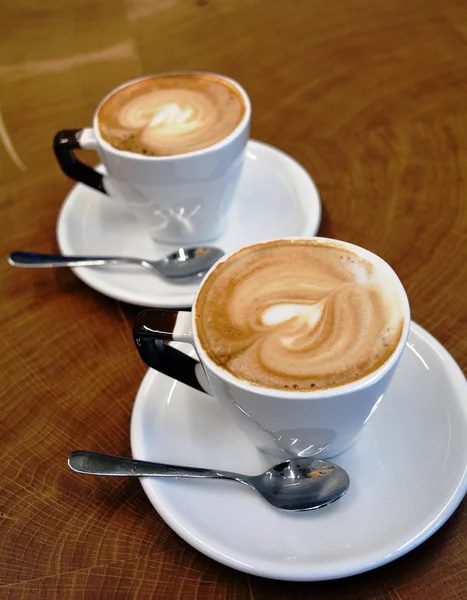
(298, 484)
(302, 484)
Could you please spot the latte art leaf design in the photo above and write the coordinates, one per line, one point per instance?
(169, 116)
(298, 317)
(321, 339)
(172, 114)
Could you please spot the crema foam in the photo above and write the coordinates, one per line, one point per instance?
(299, 315)
(171, 114)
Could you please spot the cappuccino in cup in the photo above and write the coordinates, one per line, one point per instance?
(297, 338)
(173, 148)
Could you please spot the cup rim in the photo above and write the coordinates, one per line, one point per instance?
(339, 390)
(174, 157)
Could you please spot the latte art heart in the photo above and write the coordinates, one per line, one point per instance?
(283, 312)
(298, 316)
(170, 115)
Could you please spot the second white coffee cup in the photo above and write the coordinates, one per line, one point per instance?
(321, 422)
(180, 199)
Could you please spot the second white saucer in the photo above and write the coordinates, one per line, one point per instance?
(407, 474)
(276, 197)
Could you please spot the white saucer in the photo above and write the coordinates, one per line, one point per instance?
(408, 474)
(276, 197)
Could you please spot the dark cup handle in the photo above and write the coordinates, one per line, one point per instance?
(152, 329)
(64, 143)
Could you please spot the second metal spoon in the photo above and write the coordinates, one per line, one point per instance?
(185, 262)
(297, 484)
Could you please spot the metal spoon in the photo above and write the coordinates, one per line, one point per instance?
(185, 262)
(297, 484)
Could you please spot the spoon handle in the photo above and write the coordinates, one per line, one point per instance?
(94, 463)
(34, 260)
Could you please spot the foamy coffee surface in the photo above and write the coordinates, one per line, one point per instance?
(171, 114)
(298, 315)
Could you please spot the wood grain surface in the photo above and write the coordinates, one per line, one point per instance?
(370, 97)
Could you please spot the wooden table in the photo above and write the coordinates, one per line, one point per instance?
(370, 97)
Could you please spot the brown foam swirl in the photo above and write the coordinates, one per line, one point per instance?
(170, 115)
(298, 316)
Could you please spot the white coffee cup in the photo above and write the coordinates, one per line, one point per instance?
(181, 199)
(321, 422)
